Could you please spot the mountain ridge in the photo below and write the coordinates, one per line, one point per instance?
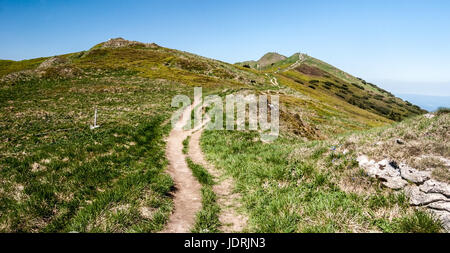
(300, 72)
(60, 175)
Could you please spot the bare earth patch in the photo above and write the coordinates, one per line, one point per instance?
(230, 219)
(187, 198)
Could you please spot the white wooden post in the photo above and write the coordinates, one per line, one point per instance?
(95, 120)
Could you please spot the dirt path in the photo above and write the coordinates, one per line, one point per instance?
(228, 201)
(187, 198)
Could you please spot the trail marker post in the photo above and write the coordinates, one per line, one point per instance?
(95, 120)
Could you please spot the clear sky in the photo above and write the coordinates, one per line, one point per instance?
(401, 45)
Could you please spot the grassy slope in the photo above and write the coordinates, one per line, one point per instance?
(291, 186)
(266, 60)
(422, 146)
(356, 91)
(7, 67)
(57, 175)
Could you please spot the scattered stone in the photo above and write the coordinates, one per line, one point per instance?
(419, 198)
(379, 143)
(414, 175)
(35, 167)
(429, 115)
(46, 161)
(400, 142)
(23, 75)
(433, 186)
(147, 212)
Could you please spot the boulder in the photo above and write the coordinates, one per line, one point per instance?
(413, 175)
(433, 186)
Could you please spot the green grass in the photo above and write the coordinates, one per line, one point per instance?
(304, 187)
(186, 145)
(443, 110)
(58, 175)
(420, 222)
(7, 67)
(417, 222)
(207, 220)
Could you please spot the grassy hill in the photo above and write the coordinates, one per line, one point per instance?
(310, 73)
(57, 175)
(317, 186)
(265, 61)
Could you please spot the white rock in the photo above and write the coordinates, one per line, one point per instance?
(419, 198)
(444, 217)
(440, 205)
(414, 175)
(362, 160)
(383, 170)
(390, 175)
(433, 186)
(386, 169)
(429, 115)
(395, 183)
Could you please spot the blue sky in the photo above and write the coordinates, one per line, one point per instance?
(403, 46)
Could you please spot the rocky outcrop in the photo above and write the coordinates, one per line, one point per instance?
(24, 75)
(414, 175)
(433, 186)
(440, 205)
(385, 171)
(419, 198)
(120, 42)
(444, 217)
(51, 62)
(418, 187)
(53, 67)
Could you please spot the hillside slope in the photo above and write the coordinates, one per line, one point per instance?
(58, 175)
(265, 61)
(310, 73)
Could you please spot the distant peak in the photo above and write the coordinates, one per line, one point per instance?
(273, 55)
(270, 58)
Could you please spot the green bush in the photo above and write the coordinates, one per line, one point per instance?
(442, 110)
(420, 222)
(358, 86)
